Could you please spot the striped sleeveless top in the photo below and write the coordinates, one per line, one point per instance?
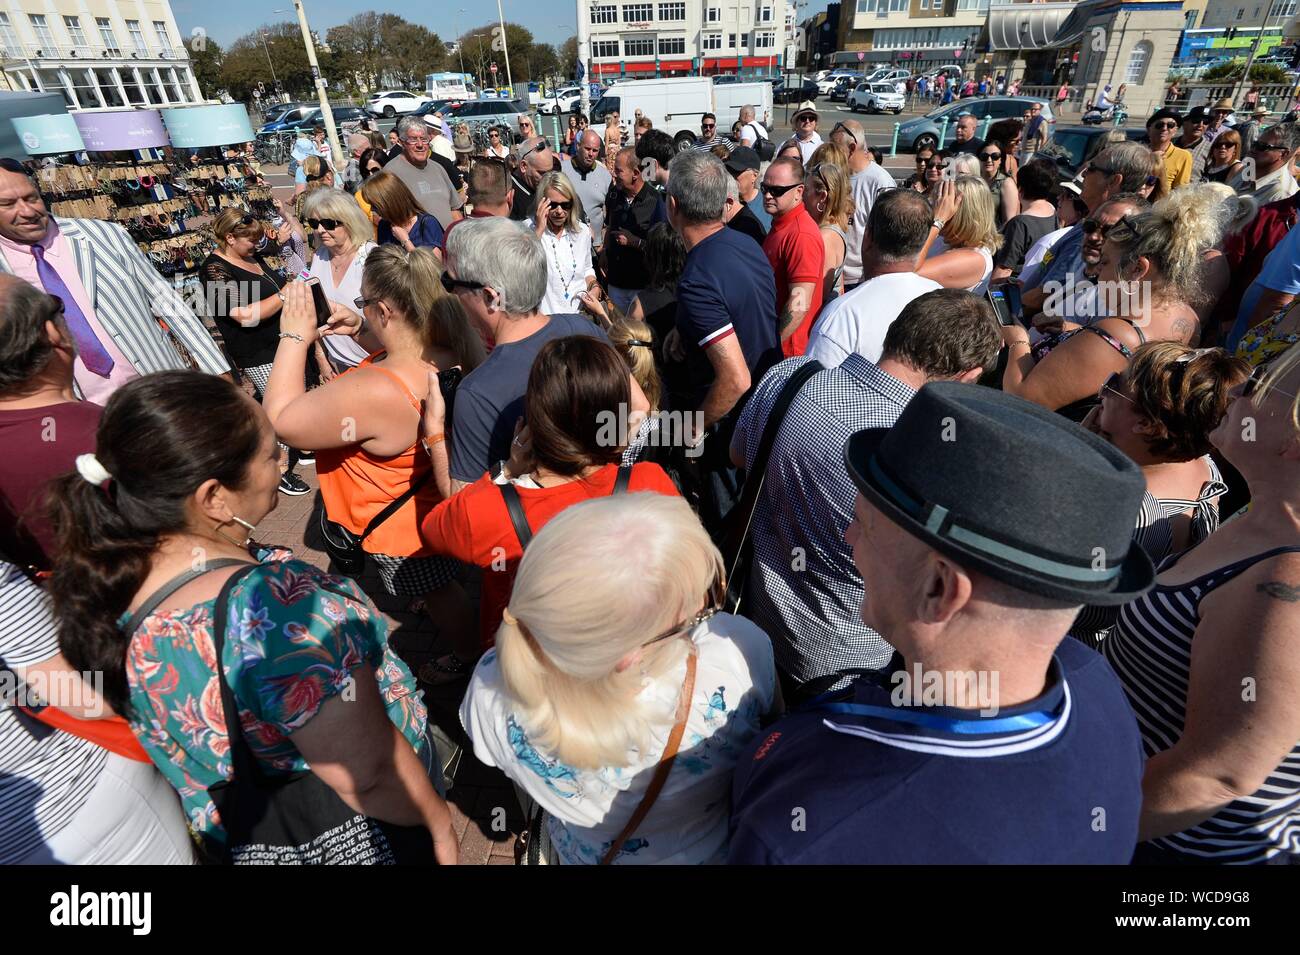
(1150, 650)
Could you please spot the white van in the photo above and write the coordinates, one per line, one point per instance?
(676, 104)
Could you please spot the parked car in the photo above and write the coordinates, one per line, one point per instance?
(875, 98)
(1076, 145)
(392, 103)
(495, 112)
(567, 100)
(279, 111)
(951, 70)
(794, 94)
(827, 83)
(924, 130)
(351, 115)
(843, 87)
(437, 106)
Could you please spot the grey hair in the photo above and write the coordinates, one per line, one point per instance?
(1132, 162)
(408, 123)
(328, 203)
(497, 252)
(733, 188)
(698, 185)
(746, 111)
(1288, 133)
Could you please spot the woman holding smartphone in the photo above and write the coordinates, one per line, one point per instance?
(345, 238)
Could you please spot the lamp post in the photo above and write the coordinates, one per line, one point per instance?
(460, 55)
(327, 114)
(505, 48)
(269, 62)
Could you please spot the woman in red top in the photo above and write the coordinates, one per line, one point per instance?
(568, 452)
(365, 424)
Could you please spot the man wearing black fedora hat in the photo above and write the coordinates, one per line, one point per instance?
(990, 738)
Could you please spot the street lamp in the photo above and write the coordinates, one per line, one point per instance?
(269, 62)
(459, 53)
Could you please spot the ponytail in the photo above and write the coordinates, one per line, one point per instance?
(160, 437)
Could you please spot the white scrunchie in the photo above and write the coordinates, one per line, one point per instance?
(91, 470)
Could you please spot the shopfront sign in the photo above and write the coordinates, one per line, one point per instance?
(48, 134)
(124, 129)
(194, 127)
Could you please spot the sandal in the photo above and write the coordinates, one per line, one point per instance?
(447, 669)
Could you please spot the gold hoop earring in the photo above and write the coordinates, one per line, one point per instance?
(248, 538)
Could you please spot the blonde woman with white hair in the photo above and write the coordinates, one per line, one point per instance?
(963, 237)
(612, 648)
(557, 220)
(344, 237)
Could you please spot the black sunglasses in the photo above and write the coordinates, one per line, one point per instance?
(1251, 384)
(776, 192)
(990, 157)
(451, 284)
(329, 224)
(708, 125)
(1257, 146)
(566, 206)
(1092, 226)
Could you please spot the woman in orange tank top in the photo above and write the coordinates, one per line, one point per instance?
(365, 424)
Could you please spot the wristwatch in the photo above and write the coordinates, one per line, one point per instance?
(938, 224)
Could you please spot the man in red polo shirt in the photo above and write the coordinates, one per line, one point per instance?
(794, 249)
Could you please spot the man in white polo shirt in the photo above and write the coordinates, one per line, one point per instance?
(856, 322)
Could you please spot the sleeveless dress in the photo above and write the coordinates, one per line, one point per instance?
(356, 485)
(1150, 650)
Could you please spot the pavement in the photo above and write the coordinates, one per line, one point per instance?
(485, 814)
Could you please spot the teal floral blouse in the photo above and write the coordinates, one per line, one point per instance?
(290, 646)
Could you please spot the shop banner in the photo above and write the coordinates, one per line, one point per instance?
(51, 133)
(128, 129)
(194, 127)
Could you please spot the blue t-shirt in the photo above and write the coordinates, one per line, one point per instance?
(829, 787)
(491, 398)
(1280, 272)
(425, 234)
(727, 288)
(756, 206)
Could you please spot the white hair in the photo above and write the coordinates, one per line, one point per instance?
(501, 254)
(584, 600)
(325, 203)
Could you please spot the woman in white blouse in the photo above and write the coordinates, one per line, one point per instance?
(602, 651)
(344, 238)
(557, 219)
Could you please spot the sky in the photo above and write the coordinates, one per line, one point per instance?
(551, 21)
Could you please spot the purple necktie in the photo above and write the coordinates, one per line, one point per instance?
(89, 349)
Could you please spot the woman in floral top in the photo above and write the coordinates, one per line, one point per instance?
(184, 466)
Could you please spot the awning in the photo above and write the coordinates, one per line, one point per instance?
(1073, 27)
(1030, 26)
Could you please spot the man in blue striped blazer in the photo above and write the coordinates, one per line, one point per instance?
(114, 302)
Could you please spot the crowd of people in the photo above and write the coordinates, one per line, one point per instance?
(767, 510)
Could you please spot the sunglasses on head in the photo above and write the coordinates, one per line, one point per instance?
(328, 224)
(776, 192)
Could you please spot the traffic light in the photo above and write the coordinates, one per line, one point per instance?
(1230, 33)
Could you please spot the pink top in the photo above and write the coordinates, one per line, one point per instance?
(58, 253)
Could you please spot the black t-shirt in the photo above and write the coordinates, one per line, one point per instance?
(625, 265)
(1018, 236)
(522, 207)
(972, 146)
(226, 286)
(451, 169)
(747, 223)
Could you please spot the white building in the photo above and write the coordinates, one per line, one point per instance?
(637, 38)
(97, 53)
(1272, 14)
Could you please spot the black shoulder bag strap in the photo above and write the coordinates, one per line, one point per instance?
(396, 504)
(241, 757)
(516, 507)
(176, 583)
(739, 541)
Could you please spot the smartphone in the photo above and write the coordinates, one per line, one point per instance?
(318, 298)
(1001, 308)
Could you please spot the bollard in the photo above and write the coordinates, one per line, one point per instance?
(943, 132)
(893, 145)
(988, 121)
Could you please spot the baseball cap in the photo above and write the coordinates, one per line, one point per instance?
(1197, 114)
(741, 159)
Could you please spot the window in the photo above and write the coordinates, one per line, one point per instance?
(897, 6)
(669, 46)
(604, 48)
(160, 30)
(1136, 70)
(75, 33)
(8, 39)
(604, 14)
(765, 15)
(670, 12)
(764, 41)
(639, 46)
(744, 40)
(714, 15)
(137, 38)
(106, 34)
(712, 41)
(638, 13)
(43, 35)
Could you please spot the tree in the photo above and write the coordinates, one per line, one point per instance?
(357, 50)
(544, 62)
(206, 58)
(412, 51)
(569, 57)
(482, 49)
(248, 62)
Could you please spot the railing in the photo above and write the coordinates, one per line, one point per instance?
(86, 51)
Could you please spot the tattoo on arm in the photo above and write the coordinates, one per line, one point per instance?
(1275, 588)
(1182, 329)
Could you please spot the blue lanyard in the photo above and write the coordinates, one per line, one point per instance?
(1005, 724)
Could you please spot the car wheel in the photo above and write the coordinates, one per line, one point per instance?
(683, 142)
(389, 112)
(925, 141)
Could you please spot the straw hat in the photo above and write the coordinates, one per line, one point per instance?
(1225, 103)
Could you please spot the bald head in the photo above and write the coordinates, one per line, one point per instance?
(537, 160)
(588, 152)
(746, 114)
